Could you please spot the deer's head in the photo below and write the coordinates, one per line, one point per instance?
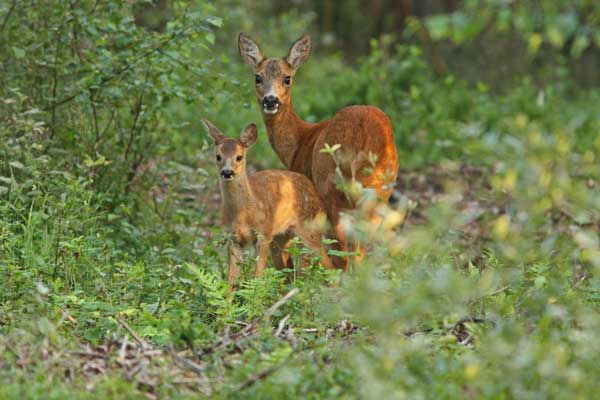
(273, 76)
(231, 153)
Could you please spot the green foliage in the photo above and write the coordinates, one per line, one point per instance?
(572, 26)
(482, 281)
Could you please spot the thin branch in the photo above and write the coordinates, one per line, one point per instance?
(261, 375)
(57, 246)
(181, 64)
(498, 291)
(138, 112)
(109, 123)
(280, 302)
(8, 14)
(133, 333)
(57, 47)
(93, 10)
(95, 115)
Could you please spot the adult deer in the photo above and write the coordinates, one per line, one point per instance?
(259, 207)
(368, 152)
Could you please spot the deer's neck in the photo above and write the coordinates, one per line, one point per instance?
(237, 195)
(291, 138)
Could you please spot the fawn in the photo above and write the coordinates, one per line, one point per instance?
(259, 207)
(368, 152)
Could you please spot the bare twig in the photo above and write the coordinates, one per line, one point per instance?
(133, 333)
(55, 79)
(94, 115)
(281, 325)
(108, 124)
(138, 112)
(498, 291)
(57, 246)
(187, 363)
(279, 303)
(93, 10)
(87, 354)
(260, 376)
(123, 350)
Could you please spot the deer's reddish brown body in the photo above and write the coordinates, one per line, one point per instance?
(368, 152)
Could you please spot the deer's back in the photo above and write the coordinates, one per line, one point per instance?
(361, 131)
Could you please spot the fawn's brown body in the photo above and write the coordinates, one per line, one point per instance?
(368, 152)
(260, 207)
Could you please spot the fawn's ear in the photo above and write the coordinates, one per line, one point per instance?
(249, 50)
(249, 136)
(300, 51)
(213, 131)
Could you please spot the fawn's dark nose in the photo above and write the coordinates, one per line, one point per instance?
(270, 102)
(227, 173)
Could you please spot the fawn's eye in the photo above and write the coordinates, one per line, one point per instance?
(287, 80)
(218, 157)
(239, 158)
(258, 79)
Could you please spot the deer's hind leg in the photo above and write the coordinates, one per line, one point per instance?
(279, 251)
(313, 239)
(337, 233)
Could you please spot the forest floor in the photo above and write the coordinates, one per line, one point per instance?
(149, 367)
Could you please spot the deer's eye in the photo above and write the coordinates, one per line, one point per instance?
(287, 80)
(258, 79)
(239, 158)
(218, 157)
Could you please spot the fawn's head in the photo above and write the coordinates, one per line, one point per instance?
(231, 153)
(273, 76)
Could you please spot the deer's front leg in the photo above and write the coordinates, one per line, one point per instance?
(235, 257)
(263, 248)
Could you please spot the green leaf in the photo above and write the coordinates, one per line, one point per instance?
(215, 21)
(16, 164)
(18, 52)
(210, 38)
(581, 43)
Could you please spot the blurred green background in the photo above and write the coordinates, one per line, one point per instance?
(482, 283)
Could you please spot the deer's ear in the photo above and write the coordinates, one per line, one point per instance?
(249, 50)
(300, 51)
(213, 131)
(249, 136)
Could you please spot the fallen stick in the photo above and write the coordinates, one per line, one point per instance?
(133, 333)
(279, 303)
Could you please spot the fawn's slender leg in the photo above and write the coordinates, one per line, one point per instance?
(263, 249)
(235, 257)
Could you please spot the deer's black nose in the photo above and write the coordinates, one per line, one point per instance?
(227, 173)
(270, 102)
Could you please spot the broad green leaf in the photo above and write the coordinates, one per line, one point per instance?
(18, 52)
